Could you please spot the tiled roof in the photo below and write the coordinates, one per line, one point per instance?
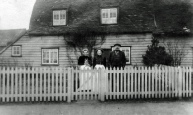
(8, 37)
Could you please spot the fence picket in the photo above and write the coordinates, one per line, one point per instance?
(132, 92)
(162, 82)
(36, 83)
(28, 84)
(128, 73)
(156, 84)
(24, 84)
(152, 79)
(12, 83)
(121, 84)
(149, 81)
(176, 82)
(117, 83)
(135, 82)
(145, 82)
(64, 83)
(3, 83)
(114, 84)
(125, 80)
(183, 79)
(186, 78)
(60, 84)
(159, 80)
(190, 80)
(140, 77)
(44, 83)
(40, 89)
(7, 84)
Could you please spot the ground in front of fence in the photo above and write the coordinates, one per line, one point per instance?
(182, 107)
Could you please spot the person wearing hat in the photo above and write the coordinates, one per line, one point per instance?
(99, 60)
(117, 58)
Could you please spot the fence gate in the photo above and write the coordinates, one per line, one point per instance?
(85, 84)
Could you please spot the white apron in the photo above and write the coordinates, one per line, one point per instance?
(85, 78)
(96, 77)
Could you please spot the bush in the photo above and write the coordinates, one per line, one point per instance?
(156, 54)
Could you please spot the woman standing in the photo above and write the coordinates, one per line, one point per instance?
(85, 63)
(99, 61)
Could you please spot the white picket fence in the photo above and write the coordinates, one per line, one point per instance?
(67, 84)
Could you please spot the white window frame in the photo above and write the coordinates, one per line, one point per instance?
(61, 19)
(127, 51)
(50, 51)
(16, 51)
(109, 15)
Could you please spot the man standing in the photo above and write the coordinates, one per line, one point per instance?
(117, 58)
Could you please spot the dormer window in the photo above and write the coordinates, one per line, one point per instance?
(109, 16)
(59, 17)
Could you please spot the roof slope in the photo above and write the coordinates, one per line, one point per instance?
(134, 16)
(173, 16)
(8, 37)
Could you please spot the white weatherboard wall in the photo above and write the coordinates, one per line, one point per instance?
(185, 41)
(31, 49)
(138, 43)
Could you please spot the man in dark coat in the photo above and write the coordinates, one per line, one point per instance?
(117, 58)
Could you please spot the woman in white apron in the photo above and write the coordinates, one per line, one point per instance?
(85, 63)
(99, 62)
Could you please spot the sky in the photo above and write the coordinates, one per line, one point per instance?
(15, 14)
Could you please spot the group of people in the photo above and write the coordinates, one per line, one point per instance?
(116, 59)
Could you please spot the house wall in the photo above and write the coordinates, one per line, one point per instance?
(185, 43)
(31, 49)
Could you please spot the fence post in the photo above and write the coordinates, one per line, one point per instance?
(69, 84)
(102, 84)
(180, 82)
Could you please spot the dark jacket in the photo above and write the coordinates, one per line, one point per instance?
(81, 60)
(99, 60)
(117, 60)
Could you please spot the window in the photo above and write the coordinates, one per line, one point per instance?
(16, 50)
(59, 17)
(109, 16)
(127, 51)
(50, 56)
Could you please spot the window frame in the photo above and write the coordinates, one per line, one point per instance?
(128, 62)
(50, 64)
(60, 9)
(12, 50)
(109, 14)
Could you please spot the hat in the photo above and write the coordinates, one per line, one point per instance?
(118, 45)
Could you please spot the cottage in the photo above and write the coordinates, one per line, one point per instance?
(129, 23)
